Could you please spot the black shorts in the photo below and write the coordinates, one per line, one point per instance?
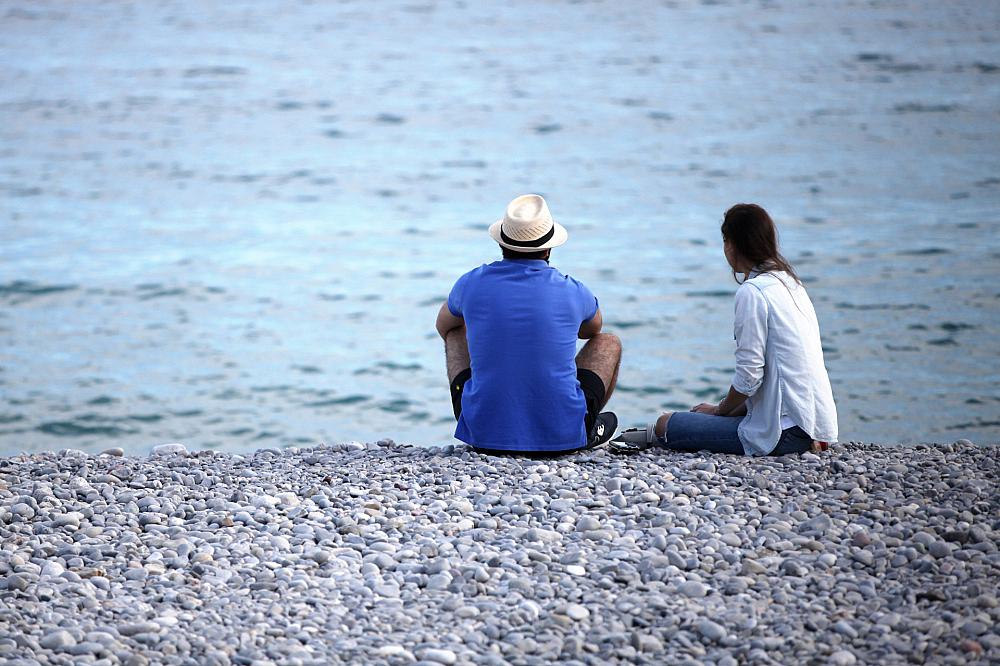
(590, 383)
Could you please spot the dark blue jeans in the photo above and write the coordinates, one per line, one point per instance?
(691, 431)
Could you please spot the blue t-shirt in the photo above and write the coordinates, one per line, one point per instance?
(522, 318)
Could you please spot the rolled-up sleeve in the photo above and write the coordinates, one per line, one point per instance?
(588, 302)
(750, 329)
(456, 295)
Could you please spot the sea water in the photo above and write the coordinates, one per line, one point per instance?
(231, 224)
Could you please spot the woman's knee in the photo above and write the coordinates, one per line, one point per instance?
(661, 424)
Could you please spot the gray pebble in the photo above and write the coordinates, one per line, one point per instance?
(57, 640)
(133, 628)
(842, 658)
(19, 582)
(438, 656)
(711, 630)
(692, 589)
(865, 557)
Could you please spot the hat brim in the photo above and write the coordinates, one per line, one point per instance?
(559, 236)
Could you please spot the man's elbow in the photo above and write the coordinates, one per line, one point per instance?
(587, 332)
(591, 327)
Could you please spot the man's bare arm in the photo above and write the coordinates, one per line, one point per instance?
(446, 321)
(592, 326)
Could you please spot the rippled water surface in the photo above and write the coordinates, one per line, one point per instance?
(231, 224)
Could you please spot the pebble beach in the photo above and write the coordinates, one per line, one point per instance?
(382, 553)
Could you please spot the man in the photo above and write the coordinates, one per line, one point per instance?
(510, 331)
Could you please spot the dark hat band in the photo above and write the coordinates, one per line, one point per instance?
(541, 240)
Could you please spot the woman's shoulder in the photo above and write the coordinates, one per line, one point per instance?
(756, 284)
(767, 279)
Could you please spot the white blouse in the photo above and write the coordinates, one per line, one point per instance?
(779, 363)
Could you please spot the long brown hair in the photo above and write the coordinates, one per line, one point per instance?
(752, 233)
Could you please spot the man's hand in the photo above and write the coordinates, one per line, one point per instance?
(706, 408)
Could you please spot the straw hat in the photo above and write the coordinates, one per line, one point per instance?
(527, 226)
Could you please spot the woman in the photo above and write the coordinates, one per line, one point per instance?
(780, 399)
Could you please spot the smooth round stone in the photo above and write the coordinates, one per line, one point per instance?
(115, 452)
(100, 582)
(587, 524)
(693, 589)
(974, 629)
(577, 612)
(53, 569)
(710, 630)
(438, 656)
(675, 559)
(18, 582)
(731, 539)
(820, 523)
(171, 449)
(845, 628)
(842, 658)
(71, 518)
(23, 510)
(865, 557)
(792, 568)
(383, 561)
(861, 539)
(288, 499)
(646, 643)
(244, 517)
(439, 581)
(562, 505)
(939, 549)
(576, 570)
(57, 640)
(135, 628)
(394, 651)
(319, 555)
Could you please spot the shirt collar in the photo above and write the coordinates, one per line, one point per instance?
(536, 263)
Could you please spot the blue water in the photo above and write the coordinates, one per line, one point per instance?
(231, 224)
